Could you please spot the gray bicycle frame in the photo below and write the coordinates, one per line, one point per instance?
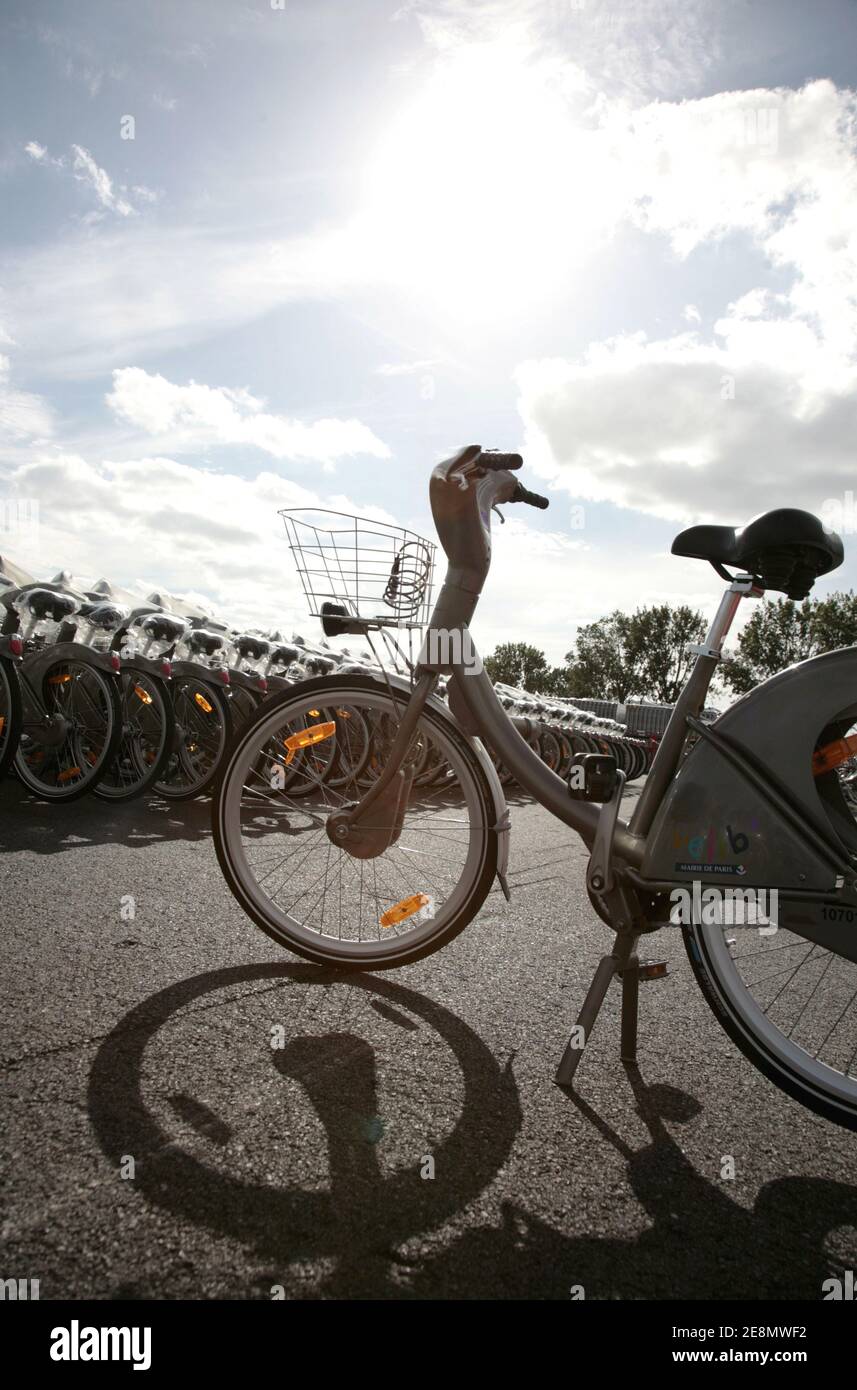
(474, 703)
(751, 761)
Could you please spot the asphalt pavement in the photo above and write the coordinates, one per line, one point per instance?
(407, 1140)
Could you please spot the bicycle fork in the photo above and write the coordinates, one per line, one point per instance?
(371, 825)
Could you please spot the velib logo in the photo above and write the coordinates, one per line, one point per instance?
(714, 845)
(76, 1343)
(840, 1290)
(707, 907)
(447, 647)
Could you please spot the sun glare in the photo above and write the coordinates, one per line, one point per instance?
(485, 190)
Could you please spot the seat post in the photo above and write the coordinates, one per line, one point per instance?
(690, 702)
(743, 586)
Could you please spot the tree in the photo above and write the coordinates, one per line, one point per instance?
(641, 654)
(781, 632)
(517, 663)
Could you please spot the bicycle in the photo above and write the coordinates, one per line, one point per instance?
(385, 877)
(70, 722)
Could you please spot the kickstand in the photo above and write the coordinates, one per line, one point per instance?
(624, 962)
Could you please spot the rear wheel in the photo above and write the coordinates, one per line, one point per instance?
(304, 889)
(789, 1005)
(203, 725)
(148, 727)
(64, 755)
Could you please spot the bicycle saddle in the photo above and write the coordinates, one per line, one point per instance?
(319, 665)
(786, 549)
(202, 641)
(105, 615)
(162, 627)
(48, 603)
(283, 655)
(251, 648)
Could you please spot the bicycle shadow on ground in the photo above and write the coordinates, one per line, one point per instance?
(700, 1242)
(357, 1222)
(32, 825)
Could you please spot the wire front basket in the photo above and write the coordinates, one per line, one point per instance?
(380, 574)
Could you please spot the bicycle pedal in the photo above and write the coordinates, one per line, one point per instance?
(649, 970)
(592, 776)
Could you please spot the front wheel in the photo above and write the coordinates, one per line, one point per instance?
(308, 893)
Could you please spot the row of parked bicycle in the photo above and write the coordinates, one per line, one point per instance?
(98, 696)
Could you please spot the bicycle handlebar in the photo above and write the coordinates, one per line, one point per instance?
(463, 491)
(533, 499)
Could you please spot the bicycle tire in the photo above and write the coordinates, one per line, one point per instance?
(185, 779)
(779, 1061)
(10, 713)
(145, 761)
(88, 767)
(455, 912)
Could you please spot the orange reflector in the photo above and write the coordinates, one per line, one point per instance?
(314, 713)
(316, 734)
(203, 703)
(2, 724)
(142, 694)
(68, 774)
(59, 680)
(832, 754)
(343, 714)
(406, 908)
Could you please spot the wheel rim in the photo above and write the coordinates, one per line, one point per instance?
(794, 999)
(311, 891)
(79, 694)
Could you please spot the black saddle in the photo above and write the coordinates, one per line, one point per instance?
(49, 603)
(283, 654)
(785, 550)
(103, 615)
(161, 627)
(251, 648)
(207, 642)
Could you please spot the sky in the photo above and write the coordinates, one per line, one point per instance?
(258, 254)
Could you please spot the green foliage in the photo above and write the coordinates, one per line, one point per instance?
(781, 632)
(518, 663)
(635, 655)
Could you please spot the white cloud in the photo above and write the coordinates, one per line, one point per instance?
(406, 368)
(23, 415)
(39, 154)
(766, 410)
(178, 527)
(90, 173)
(204, 415)
(681, 428)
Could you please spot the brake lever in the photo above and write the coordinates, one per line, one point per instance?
(495, 508)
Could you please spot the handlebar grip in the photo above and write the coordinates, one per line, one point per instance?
(490, 459)
(532, 499)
